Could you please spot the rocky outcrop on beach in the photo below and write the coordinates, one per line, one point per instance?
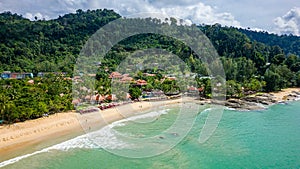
(264, 99)
(239, 104)
(292, 96)
(256, 102)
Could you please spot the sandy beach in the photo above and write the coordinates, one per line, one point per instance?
(32, 135)
(282, 95)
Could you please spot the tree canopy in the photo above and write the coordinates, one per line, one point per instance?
(253, 61)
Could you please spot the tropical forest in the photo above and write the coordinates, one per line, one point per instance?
(252, 61)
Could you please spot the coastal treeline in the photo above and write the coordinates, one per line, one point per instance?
(25, 99)
(253, 61)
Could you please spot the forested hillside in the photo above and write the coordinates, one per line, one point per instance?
(253, 61)
(250, 62)
(47, 46)
(289, 43)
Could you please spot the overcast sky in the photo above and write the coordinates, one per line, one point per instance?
(278, 16)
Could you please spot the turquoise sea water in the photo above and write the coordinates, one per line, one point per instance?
(249, 139)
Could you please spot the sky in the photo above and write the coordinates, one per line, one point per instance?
(275, 16)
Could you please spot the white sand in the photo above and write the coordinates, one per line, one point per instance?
(26, 137)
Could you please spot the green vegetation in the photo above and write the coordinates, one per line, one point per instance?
(289, 43)
(253, 65)
(47, 46)
(28, 99)
(253, 61)
(135, 92)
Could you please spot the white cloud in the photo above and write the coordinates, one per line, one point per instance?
(189, 10)
(200, 13)
(289, 23)
(230, 12)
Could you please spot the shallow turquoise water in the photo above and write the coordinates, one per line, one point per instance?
(253, 139)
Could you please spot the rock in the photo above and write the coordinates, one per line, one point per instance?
(161, 137)
(234, 100)
(240, 104)
(291, 97)
(254, 102)
(266, 99)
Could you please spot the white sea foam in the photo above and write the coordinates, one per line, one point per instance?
(13, 160)
(229, 108)
(298, 98)
(78, 142)
(207, 110)
(142, 116)
(105, 138)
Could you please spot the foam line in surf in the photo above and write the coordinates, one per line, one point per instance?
(105, 137)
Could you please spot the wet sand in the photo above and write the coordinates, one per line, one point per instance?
(32, 135)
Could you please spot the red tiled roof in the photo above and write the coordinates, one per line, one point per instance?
(115, 75)
(141, 82)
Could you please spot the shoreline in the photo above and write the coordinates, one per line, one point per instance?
(260, 101)
(33, 135)
(284, 94)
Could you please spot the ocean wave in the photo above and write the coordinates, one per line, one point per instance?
(105, 138)
(77, 142)
(207, 110)
(229, 108)
(142, 116)
(16, 159)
